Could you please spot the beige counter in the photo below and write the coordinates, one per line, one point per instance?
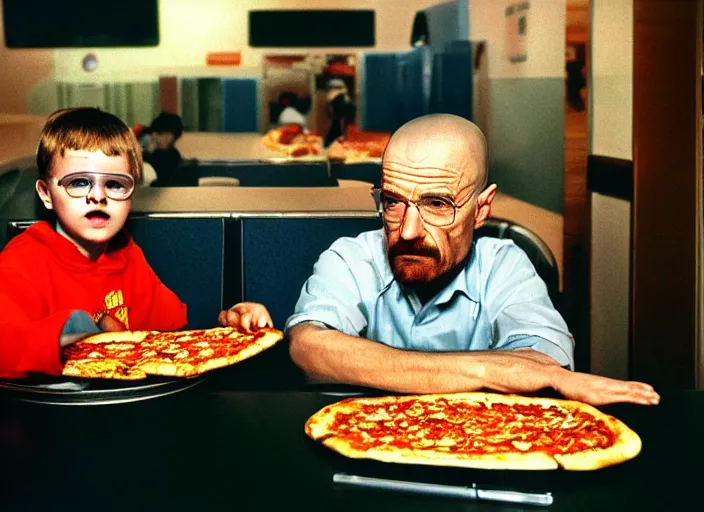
(19, 135)
(239, 201)
(229, 146)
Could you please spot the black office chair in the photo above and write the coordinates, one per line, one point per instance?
(535, 248)
(8, 184)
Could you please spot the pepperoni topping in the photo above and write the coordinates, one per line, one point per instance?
(471, 427)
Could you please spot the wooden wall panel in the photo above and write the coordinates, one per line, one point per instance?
(667, 179)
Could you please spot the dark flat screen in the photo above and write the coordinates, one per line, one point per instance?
(80, 23)
(311, 28)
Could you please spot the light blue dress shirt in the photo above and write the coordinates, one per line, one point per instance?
(496, 302)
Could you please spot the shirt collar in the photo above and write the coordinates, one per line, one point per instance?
(465, 282)
(382, 263)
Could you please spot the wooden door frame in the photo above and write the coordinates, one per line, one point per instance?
(666, 212)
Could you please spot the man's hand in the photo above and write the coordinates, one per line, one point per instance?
(597, 390)
(248, 316)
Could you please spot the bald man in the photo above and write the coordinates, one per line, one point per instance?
(420, 306)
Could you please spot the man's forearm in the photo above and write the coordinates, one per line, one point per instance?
(331, 356)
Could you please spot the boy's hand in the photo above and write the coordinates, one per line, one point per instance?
(108, 323)
(248, 316)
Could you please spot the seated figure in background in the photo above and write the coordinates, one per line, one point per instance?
(341, 110)
(148, 173)
(162, 154)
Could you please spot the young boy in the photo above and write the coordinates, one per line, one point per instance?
(83, 273)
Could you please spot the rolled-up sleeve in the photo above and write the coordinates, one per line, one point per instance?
(331, 296)
(521, 311)
(560, 352)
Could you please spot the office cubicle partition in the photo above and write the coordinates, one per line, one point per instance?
(278, 255)
(188, 255)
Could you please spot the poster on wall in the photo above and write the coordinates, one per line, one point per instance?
(516, 15)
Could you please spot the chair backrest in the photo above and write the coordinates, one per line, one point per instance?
(279, 254)
(187, 254)
(8, 184)
(535, 248)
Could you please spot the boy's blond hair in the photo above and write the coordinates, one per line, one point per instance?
(87, 129)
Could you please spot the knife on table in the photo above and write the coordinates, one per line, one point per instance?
(473, 492)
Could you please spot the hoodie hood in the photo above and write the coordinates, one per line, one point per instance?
(67, 255)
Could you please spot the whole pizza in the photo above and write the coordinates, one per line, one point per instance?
(475, 430)
(131, 355)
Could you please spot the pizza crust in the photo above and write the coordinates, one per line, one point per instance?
(103, 369)
(117, 337)
(626, 447)
(522, 461)
(166, 369)
(627, 444)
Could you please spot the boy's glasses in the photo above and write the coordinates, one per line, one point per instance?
(118, 187)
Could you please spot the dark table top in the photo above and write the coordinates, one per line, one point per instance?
(202, 449)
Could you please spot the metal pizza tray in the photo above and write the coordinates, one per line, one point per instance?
(75, 391)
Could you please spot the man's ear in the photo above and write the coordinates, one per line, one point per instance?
(484, 201)
(43, 191)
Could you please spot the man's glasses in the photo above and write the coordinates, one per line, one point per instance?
(118, 187)
(434, 210)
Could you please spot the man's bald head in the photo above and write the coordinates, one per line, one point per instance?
(438, 164)
(443, 142)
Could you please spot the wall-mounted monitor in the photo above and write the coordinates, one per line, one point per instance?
(80, 23)
(311, 28)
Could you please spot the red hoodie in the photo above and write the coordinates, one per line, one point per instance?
(44, 278)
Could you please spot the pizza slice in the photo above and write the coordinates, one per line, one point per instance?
(108, 355)
(359, 146)
(134, 355)
(293, 141)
